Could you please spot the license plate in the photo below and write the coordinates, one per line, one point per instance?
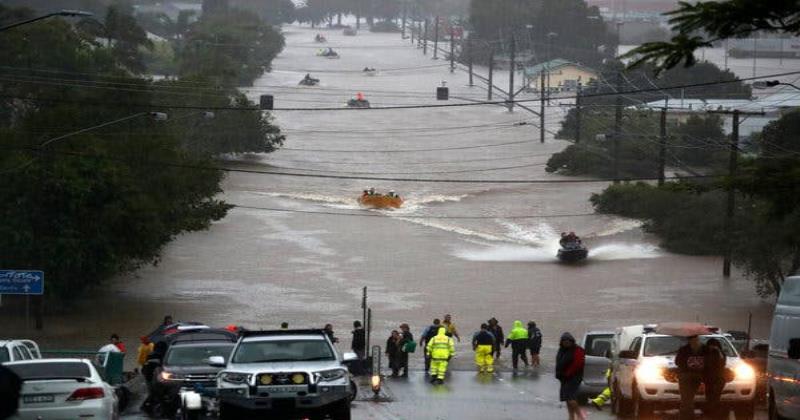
(283, 389)
(36, 399)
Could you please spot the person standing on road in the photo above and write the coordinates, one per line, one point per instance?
(451, 327)
(570, 361)
(691, 367)
(714, 378)
(534, 343)
(144, 351)
(440, 349)
(329, 332)
(518, 339)
(427, 334)
(499, 337)
(407, 345)
(393, 352)
(359, 342)
(117, 342)
(483, 344)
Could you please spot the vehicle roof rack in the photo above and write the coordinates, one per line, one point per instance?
(265, 333)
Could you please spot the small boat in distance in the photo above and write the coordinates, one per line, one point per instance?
(380, 201)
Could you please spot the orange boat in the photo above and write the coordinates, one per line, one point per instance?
(380, 201)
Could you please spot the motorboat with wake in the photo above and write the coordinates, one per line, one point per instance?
(375, 200)
(358, 102)
(370, 71)
(572, 248)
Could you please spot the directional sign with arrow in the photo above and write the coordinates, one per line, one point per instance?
(21, 282)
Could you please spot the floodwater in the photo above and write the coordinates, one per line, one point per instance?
(474, 250)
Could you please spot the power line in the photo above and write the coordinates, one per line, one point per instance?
(413, 106)
(361, 178)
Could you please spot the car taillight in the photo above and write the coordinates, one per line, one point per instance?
(87, 394)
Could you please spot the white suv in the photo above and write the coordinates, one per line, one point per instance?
(645, 377)
(286, 372)
(15, 350)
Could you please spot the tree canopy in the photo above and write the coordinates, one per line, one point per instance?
(700, 24)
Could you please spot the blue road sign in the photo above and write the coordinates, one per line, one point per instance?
(21, 282)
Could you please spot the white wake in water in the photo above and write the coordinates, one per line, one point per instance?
(540, 244)
(411, 203)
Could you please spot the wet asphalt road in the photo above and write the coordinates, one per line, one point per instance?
(467, 395)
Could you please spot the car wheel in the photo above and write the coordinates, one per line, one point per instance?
(340, 410)
(353, 390)
(620, 405)
(772, 408)
(641, 409)
(230, 412)
(745, 412)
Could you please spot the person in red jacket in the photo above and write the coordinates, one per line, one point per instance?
(569, 371)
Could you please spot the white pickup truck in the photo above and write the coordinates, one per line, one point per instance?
(14, 350)
(645, 377)
(599, 346)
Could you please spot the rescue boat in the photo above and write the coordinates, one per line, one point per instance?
(380, 201)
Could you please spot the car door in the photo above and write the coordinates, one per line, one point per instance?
(628, 368)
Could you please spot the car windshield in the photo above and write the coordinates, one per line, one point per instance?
(283, 351)
(51, 370)
(197, 355)
(668, 346)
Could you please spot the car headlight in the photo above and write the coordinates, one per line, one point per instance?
(235, 378)
(649, 372)
(169, 376)
(330, 375)
(744, 372)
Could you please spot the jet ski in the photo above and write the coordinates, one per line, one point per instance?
(328, 53)
(321, 39)
(572, 251)
(358, 102)
(309, 81)
(370, 71)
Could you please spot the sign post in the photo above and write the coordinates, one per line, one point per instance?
(22, 282)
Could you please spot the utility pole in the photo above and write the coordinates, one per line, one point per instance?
(469, 60)
(412, 33)
(730, 210)
(511, 72)
(452, 53)
(425, 39)
(617, 127)
(541, 107)
(436, 39)
(419, 34)
(578, 115)
(662, 144)
(405, 15)
(491, 75)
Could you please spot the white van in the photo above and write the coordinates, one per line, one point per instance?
(783, 366)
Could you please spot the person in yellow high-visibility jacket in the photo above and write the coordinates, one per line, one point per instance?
(600, 400)
(440, 349)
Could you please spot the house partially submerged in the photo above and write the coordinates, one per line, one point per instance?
(560, 76)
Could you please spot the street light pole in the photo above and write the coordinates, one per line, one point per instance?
(65, 13)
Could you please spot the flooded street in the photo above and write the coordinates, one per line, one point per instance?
(302, 249)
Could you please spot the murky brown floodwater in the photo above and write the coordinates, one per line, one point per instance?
(260, 267)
